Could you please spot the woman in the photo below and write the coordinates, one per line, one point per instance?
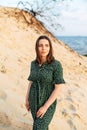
(46, 78)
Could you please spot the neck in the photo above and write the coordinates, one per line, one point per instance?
(43, 59)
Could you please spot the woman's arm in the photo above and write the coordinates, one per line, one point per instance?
(27, 95)
(53, 95)
(50, 100)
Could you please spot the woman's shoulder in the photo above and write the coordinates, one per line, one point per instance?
(34, 62)
(56, 62)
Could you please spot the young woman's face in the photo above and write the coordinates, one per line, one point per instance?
(43, 48)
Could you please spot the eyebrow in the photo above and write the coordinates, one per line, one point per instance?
(42, 43)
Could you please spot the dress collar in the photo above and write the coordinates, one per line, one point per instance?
(40, 65)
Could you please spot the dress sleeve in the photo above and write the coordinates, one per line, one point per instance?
(58, 73)
(30, 75)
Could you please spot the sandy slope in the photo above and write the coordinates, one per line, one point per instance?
(17, 39)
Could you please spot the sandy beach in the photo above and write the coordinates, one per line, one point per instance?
(18, 34)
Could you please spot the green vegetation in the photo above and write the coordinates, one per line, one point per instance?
(85, 55)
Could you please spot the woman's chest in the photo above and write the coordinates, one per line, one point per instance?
(42, 73)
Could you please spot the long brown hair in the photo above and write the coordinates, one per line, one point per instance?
(50, 57)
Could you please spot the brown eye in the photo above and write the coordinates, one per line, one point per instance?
(47, 45)
(40, 45)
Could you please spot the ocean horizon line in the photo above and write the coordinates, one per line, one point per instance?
(71, 36)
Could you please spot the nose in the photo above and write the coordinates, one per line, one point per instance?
(43, 47)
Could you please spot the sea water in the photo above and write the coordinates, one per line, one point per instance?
(78, 43)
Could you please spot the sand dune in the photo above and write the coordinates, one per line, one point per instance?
(18, 33)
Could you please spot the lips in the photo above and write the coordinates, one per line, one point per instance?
(43, 52)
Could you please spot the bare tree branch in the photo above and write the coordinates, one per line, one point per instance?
(46, 11)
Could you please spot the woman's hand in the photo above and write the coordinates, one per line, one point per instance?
(42, 110)
(27, 105)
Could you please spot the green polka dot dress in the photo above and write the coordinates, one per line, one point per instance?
(44, 78)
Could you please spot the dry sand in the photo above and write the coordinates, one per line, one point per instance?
(18, 33)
